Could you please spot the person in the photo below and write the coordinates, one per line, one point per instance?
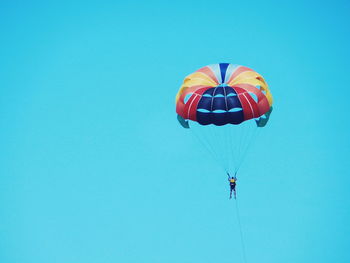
(232, 181)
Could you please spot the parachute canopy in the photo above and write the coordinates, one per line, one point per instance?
(224, 105)
(223, 94)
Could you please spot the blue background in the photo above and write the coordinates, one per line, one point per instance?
(95, 168)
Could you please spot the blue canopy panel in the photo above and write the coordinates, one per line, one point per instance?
(219, 106)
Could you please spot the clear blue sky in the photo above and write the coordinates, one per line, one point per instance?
(95, 168)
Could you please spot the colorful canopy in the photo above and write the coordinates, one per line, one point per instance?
(222, 94)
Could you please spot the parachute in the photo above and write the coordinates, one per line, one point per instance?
(224, 105)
